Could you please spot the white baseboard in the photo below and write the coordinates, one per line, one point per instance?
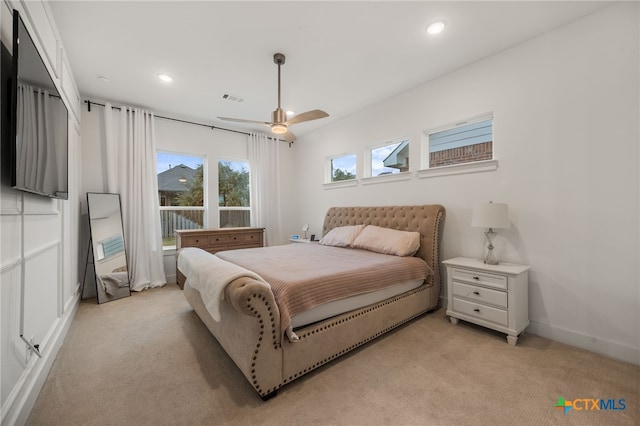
(33, 378)
(612, 349)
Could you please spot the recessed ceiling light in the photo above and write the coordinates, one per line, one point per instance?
(436, 27)
(104, 78)
(165, 77)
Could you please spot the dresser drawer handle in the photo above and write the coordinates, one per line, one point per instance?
(476, 278)
(477, 293)
(476, 310)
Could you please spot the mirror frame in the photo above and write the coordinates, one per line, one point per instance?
(109, 249)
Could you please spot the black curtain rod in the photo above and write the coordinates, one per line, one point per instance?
(211, 126)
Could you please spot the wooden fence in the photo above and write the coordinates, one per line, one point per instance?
(171, 220)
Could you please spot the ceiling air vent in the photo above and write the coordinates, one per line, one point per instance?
(232, 98)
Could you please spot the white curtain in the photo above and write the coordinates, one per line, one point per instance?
(264, 159)
(36, 155)
(131, 172)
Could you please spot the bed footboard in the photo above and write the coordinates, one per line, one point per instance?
(253, 341)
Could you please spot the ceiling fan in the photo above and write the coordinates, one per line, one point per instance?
(279, 123)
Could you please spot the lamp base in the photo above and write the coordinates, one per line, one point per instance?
(491, 257)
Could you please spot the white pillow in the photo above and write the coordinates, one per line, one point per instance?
(342, 236)
(388, 241)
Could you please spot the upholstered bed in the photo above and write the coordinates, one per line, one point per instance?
(265, 341)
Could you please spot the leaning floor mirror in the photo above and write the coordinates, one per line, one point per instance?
(108, 246)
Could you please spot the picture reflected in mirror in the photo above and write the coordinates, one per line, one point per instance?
(108, 246)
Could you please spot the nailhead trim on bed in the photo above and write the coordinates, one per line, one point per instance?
(276, 345)
(362, 342)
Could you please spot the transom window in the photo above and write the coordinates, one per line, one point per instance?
(388, 158)
(341, 168)
(463, 142)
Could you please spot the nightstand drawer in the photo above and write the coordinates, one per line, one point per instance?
(481, 278)
(480, 294)
(477, 310)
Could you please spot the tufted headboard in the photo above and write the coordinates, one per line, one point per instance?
(425, 219)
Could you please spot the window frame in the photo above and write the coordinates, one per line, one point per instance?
(368, 158)
(328, 171)
(220, 208)
(204, 208)
(466, 167)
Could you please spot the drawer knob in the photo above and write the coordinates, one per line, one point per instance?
(476, 310)
(477, 293)
(476, 278)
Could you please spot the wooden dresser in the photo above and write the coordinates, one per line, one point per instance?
(217, 239)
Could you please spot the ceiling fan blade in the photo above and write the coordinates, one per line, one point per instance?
(240, 120)
(307, 116)
(289, 137)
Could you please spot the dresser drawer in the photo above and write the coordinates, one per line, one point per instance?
(478, 310)
(223, 239)
(194, 241)
(481, 278)
(480, 294)
(252, 238)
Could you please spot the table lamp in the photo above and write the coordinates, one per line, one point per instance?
(490, 215)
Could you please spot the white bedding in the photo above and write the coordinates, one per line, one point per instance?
(210, 276)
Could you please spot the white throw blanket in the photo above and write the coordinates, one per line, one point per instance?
(210, 275)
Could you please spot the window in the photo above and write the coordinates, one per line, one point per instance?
(341, 168)
(466, 142)
(233, 194)
(181, 180)
(389, 158)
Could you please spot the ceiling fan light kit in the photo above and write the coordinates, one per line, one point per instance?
(279, 129)
(279, 123)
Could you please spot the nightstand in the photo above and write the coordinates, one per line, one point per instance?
(302, 240)
(493, 296)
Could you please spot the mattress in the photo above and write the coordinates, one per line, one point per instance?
(337, 307)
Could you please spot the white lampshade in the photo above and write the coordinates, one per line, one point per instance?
(490, 215)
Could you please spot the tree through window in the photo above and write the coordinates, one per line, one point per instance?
(234, 194)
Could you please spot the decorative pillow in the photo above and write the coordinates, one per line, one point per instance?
(388, 241)
(342, 236)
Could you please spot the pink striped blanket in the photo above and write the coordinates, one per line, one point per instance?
(303, 276)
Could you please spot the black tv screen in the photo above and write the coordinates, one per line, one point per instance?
(37, 145)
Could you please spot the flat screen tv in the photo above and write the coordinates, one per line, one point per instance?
(34, 121)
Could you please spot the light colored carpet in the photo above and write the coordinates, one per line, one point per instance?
(148, 360)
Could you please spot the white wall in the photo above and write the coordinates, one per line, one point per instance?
(48, 229)
(566, 132)
(179, 137)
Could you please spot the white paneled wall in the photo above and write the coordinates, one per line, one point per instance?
(39, 244)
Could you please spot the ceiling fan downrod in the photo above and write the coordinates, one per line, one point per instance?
(279, 116)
